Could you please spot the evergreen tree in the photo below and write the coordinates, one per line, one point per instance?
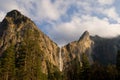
(118, 61)
(8, 64)
(28, 60)
(85, 67)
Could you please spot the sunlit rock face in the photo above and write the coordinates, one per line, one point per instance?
(13, 30)
(76, 48)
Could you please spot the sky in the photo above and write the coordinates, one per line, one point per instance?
(66, 20)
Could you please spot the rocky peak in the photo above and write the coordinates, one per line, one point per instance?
(14, 17)
(16, 29)
(85, 42)
(85, 36)
(75, 49)
(14, 14)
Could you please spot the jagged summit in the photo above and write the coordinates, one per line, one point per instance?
(85, 35)
(15, 17)
(15, 21)
(14, 13)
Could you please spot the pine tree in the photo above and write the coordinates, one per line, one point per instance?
(8, 64)
(118, 61)
(85, 67)
(28, 62)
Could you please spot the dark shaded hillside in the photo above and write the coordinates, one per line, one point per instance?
(92, 58)
(97, 49)
(105, 49)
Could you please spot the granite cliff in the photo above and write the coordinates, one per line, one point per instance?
(17, 29)
(76, 49)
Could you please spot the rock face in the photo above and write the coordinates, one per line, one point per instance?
(76, 49)
(16, 28)
(105, 49)
(97, 49)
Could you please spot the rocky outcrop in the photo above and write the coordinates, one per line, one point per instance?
(14, 30)
(76, 48)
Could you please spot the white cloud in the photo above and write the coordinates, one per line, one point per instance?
(72, 30)
(6, 5)
(47, 10)
(111, 13)
(37, 10)
(50, 10)
(86, 17)
(106, 2)
(2, 14)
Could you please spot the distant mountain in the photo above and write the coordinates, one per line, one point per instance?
(105, 49)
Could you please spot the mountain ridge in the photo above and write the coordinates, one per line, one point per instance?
(15, 28)
(26, 49)
(101, 50)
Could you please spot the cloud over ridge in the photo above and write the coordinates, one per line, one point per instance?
(65, 20)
